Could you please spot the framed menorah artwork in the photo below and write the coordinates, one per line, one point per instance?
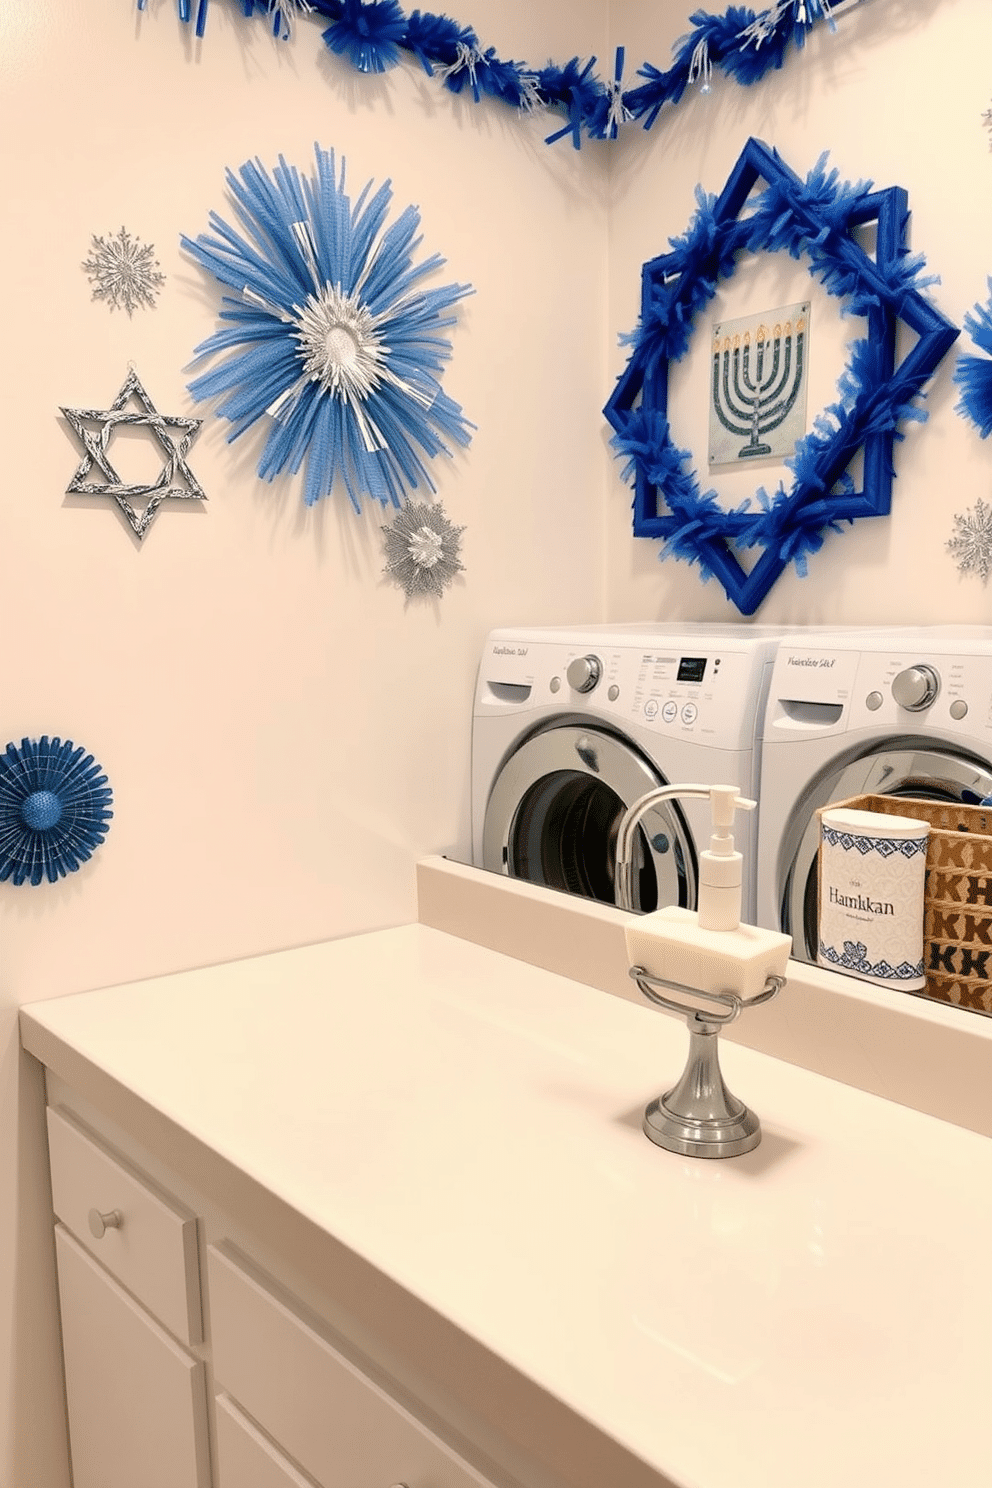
(760, 376)
(838, 461)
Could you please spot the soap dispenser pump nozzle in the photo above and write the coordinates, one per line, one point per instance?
(721, 865)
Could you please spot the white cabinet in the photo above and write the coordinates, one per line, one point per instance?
(128, 1277)
(246, 1458)
(264, 1396)
(128, 1274)
(147, 1240)
(136, 1399)
(336, 1422)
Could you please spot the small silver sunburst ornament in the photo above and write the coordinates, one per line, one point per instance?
(971, 545)
(422, 549)
(124, 272)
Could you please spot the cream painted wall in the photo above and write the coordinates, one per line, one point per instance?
(896, 96)
(284, 738)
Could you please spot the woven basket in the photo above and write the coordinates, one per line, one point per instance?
(957, 896)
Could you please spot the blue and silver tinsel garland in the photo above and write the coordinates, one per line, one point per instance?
(332, 336)
(373, 35)
(54, 809)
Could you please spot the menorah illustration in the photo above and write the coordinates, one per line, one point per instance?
(755, 385)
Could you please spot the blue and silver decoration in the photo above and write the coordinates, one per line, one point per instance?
(973, 374)
(331, 337)
(422, 550)
(54, 809)
(374, 35)
(820, 220)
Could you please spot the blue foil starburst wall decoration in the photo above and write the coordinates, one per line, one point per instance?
(54, 809)
(332, 336)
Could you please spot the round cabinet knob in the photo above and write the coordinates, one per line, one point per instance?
(916, 687)
(101, 1223)
(584, 672)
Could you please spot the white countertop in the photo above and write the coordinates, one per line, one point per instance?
(815, 1314)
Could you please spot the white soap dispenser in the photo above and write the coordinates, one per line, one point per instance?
(709, 949)
(706, 966)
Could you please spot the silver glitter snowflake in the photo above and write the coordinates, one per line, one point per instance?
(124, 272)
(422, 549)
(971, 544)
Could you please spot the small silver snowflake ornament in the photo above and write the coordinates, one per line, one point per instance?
(422, 549)
(123, 272)
(971, 545)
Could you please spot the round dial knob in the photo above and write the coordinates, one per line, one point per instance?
(916, 687)
(584, 672)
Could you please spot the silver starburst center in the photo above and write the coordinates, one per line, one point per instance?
(425, 547)
(342, 345)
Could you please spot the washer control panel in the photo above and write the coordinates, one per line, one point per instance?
(951, 692)
(832, 690)
(707, 689)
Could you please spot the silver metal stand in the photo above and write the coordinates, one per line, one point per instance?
(699, 1117)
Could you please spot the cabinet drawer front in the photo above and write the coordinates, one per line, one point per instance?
(153, 1250)
(246, 1459)
(339, 1425)
(137, 1400)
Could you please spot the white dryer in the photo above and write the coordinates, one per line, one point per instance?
(572, 725)
(900, 712)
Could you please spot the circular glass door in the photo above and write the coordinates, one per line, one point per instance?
(905, 767)
(555, 810)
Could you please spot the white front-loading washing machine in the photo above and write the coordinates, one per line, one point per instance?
(896, 711)
(573, 725)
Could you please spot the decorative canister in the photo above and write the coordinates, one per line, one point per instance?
(872, 873)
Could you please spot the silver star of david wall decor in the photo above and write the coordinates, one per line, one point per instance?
(94, 429)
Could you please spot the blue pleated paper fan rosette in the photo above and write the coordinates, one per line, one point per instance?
(54, 809)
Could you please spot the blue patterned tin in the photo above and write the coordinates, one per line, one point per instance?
(872, 874)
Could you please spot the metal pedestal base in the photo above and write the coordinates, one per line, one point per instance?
(699, 1117)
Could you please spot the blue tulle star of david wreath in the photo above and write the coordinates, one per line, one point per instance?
(333, 337)
(816, 219)
(54, 809)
